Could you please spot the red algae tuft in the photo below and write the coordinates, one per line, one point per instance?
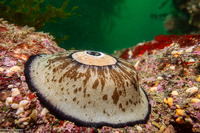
(159, 42)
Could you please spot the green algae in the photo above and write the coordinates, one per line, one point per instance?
(34, 13)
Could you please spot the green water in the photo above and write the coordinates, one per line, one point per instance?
(108, 26)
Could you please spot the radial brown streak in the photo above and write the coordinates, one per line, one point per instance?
(60, 80)
(96, 83)
(119, 78)
(120, 81)
(84, 91)
(71, 73)
(128, 65)
(115, 76)
(101, 76)
(79, 75)
(61, 67)
(60, 58)
(93, 69)
(106, 71)
(115, 96)
(87, 76)
(120, 106)
(129, 75)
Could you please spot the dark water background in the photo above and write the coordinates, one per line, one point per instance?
(109, 25)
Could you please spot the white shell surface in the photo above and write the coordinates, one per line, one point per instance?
(90, 95)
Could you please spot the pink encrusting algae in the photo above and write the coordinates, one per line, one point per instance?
(170, 76)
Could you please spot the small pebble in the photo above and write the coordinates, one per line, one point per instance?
(137, 64)
(12, 70)
(15, 92)
(14, 106)
(44, 111)
(20, 110)
(179, 112)
(172, 67)
(189, 50)
(192, 90)
(21, 120)
(159, 78)
(195, 100)
(9, 100)
(10, 86)
(179, 120)
(156, 124)
(153, 89)
(189, 120)
(191, 60)
(198, 79)
(176, 52)
(25, 123)
(23, 103)
(3, 96)
(33, 115)
(1, 69)
(198, 96)
(22, 78)
(174, 93)
(139, 128)
(168, 101)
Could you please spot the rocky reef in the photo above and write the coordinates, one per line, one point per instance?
(169, 69)
(169, 72)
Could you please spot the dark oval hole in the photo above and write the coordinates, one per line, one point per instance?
(93, 53)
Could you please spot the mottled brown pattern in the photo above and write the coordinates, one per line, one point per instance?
(106, 113)
(84, 92)
(60, 80)
(74, 99)
(127, 74)
(101, 76)
(109, 89)
(75, 90)
(128, 65)
(79, 89)
(87, 76)
(130, 100)
(57, 58)
(96, 83)
(117, 78)
(64, 64)
(115, 96)
(120, 106)
(105, 97)
(71, 73)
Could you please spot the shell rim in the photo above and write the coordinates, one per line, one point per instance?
(62, 116)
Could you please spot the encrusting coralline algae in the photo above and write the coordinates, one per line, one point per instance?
(169, 75)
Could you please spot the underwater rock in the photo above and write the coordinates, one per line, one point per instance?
(17, 44)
